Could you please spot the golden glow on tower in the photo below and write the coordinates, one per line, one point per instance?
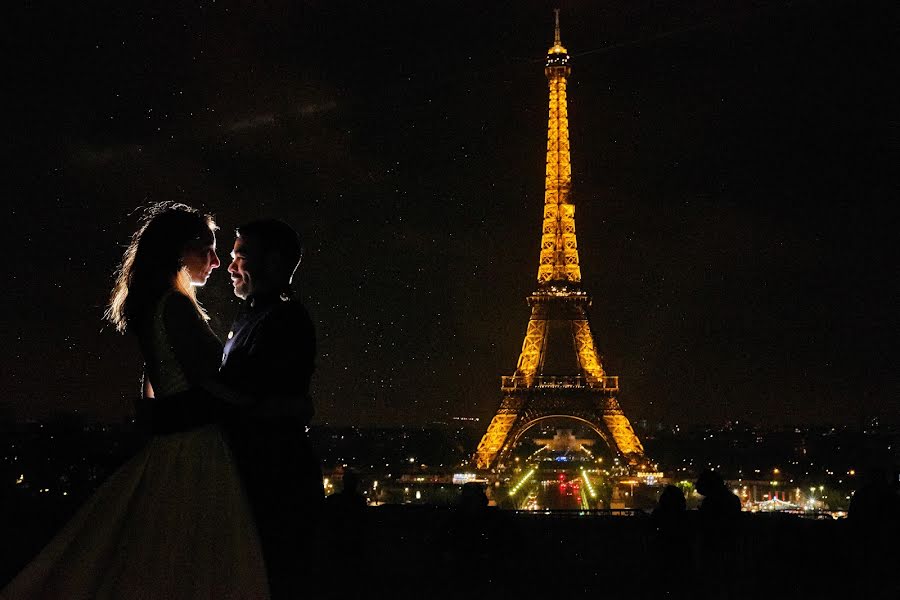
(559, 249)
(532, 350)
(531, 394)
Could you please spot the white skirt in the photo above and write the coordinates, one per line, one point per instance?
(172, 523)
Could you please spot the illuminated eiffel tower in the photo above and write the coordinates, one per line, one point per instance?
(559, 373)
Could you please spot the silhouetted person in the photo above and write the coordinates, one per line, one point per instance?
(875, 502)
(669, 516)
(471, 536)
(874, 520)
(719, 518)
(472, 499)
(671, 504)
(349, 501)
(672, 543)
(269, 357)
(347, 536)
(719, 502)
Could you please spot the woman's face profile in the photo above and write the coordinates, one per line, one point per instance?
(200, 261)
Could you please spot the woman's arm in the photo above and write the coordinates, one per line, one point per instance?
(227, 394)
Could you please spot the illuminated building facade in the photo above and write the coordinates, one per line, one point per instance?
(559, 373)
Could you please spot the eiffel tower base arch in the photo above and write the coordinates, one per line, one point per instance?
(519, 412)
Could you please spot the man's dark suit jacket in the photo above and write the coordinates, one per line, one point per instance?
(269, 358)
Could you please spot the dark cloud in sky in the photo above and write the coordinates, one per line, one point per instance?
(735, 197)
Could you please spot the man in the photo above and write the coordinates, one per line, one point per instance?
(269, 359)
(719, 522)
(718, 502)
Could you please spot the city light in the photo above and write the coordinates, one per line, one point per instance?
(587, 482)
(522, 481)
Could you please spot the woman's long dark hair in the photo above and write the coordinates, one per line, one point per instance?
(152, 263)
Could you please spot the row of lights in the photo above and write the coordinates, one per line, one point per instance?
(588, 483)
(522, 481)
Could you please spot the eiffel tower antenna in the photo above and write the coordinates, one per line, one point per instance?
(556, 41)
(544, 384)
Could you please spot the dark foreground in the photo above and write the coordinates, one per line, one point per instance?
(413, 552)
(422, 552)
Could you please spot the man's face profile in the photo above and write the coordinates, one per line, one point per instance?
(242, 268)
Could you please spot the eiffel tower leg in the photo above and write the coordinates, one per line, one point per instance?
(622, 432)
(616, 422)
(533, 346)
(584, 346)
(497, 435)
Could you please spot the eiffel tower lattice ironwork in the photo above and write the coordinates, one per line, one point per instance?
(545, 385)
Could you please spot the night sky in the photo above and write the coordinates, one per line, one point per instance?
(733, 181)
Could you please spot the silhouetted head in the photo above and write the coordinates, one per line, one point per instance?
(709, 481)
(266, 254)
(472, 497)
(672, 499)
(174, 248)
(350, 481)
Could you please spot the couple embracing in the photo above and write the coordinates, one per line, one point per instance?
(221, 501)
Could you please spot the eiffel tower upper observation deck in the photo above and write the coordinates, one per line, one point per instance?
(559, 373)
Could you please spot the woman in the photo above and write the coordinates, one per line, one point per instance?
(173, 522)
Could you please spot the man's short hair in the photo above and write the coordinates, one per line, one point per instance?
(275, 236)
